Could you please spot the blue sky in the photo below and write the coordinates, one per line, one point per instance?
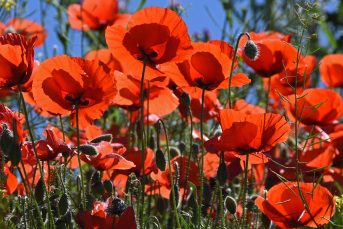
(197, 17)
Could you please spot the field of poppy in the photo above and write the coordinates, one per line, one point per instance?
(154, 127)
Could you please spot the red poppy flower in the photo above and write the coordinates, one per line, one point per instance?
(156, 34)
(208, 67)
(108, 158)
(292, 78)
(255, 133)
(100, 218)
(128, 95)
(163, 186)
(316, 106)
(106, 58)
(25, 27)
(92, 14)
(49, 149)
(16, 59)
(331, 68)
(284, 206)
(279, 57)
(60, 83)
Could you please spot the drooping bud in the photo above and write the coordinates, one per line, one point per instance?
(185, 99)
(89, 150)
(195, 149)
(160, 160)
(105, 137)
(63, 204)
(230, 204)
(251, 50)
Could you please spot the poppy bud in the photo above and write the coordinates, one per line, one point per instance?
(195, 149)
(117, 207)
(185, 99)
(63, 204)
(108, 185)
(160, 160)
(96, 184)
(39, 191)
(6, 137)
(182, 147)
(230, 204)
(9, 144)
(222, 173)
(89, 150)
(251, 50)
(160, 205)
(105, 137)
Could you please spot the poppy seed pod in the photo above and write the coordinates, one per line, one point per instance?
(251, 50)
(117, 207)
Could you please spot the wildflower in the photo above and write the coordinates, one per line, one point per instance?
(157, 36)
(284, 206)
(25, 27)
(16, 60)
(61, 83)
(331, 67)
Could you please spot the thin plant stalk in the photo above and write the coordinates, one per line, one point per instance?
(202, 155)
(36, 155)
(171, 176)
(298, 176)
(142, 141)
(268, 94)
(232, 66)
(245, 185)
(83, 195)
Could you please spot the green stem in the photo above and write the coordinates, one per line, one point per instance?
(267, 94)
(142, 141)
(171, 176)
(232, 66)
(245, 184)
(202, 155)
(296, 132)
(37, 159)
(83, 195)
(190, 148)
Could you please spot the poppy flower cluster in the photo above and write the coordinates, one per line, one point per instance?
(140, 133)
